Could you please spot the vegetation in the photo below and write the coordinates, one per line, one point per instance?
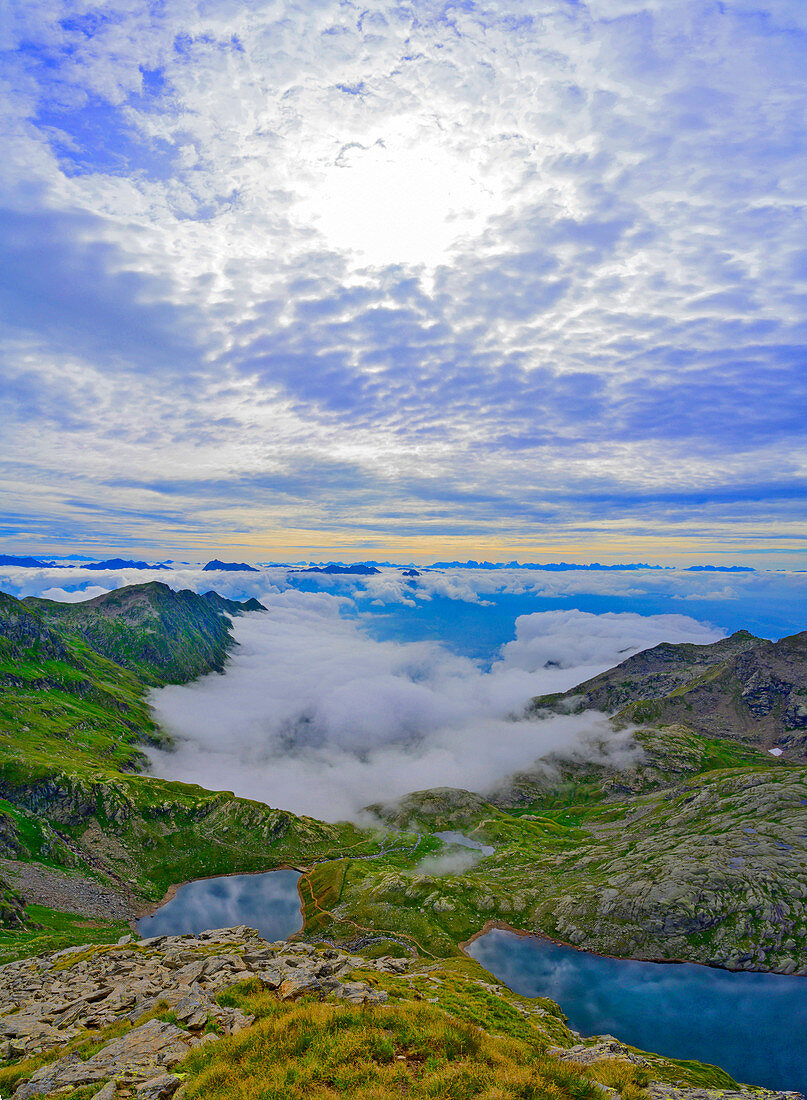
(444, 1033)
(686, 851)
(330, 1051)
(659, 860)
(163, 636)
(49, 930)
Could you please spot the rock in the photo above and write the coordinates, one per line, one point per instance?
(145, 1047)
(108, 1092)
(258, 958)
(191, 972)
(158, 1088)
(293, 988)
(392, 966)
(193, 1011)
(658, 1091)
(271, 977)
(605, 1046)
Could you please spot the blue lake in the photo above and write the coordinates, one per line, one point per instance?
(752, 1025)
(268, 902)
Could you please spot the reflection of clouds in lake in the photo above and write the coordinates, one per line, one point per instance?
(752, 1025)
(269, 902)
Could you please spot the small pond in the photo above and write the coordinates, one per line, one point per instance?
(752, 1025)
(268, 902)
(449, 837)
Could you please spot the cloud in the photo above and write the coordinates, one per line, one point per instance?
(62, 595)
(594, 639)
(529, 273)
(315, 716)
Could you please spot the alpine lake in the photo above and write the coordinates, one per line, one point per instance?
(752, 1025)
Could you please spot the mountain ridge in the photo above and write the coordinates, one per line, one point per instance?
(742, 687)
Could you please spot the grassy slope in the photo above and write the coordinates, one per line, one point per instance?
(161, 635)
(630, 865)
(71, 723)
(446, 1032)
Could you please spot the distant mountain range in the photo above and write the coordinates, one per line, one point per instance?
(366, 568)
(24, 563)
(123, 563)
(359, 570)
(229, 567)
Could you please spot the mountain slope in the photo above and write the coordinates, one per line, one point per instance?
(165, 637)
(742, 687)
(72, 723)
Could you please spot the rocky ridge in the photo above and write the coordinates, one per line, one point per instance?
(163, 636)
(53, 1000)
(743, 688)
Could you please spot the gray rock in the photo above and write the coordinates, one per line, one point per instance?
(158, 1088)
(193, 1011)
(605, 1046)
(293, 988)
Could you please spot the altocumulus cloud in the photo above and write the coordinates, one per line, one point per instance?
(471, 269)
(315, 716)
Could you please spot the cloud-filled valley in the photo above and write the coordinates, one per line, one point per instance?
(315, 716)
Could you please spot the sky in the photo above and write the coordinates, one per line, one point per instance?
(419, 281)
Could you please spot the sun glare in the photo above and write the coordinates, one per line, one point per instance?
(409, 204)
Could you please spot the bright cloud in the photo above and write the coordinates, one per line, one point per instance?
(315, 716)
(288, 275)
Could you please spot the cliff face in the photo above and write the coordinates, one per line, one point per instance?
(742, 687)
(25, 636)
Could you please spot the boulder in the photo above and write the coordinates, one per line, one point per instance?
(158, 1088)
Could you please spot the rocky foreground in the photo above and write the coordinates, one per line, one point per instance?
(51, 1001)
(122, 1018)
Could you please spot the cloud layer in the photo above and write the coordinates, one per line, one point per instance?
(315, 716)
(286, 276)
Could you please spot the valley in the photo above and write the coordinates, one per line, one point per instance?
(694, 847)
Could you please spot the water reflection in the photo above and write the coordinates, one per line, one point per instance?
(464, 841)
(268, 902)
(752, 1025)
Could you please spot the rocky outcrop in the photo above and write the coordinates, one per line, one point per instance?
(54, 999)
(605, 1048)
(161, 635)
(232, 607)
(12, 906)
(650, 674)
(742, 688)
(25, 636)
(144, 1006)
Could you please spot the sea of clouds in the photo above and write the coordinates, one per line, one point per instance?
(316, 716)
(321, 712)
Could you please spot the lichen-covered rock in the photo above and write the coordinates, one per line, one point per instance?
(603, 1047)
(158, 1088)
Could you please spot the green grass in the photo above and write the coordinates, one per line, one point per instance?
(55, 930)
(335, 1052)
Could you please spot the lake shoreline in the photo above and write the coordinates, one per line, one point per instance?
(150, 909)
(491, 925)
